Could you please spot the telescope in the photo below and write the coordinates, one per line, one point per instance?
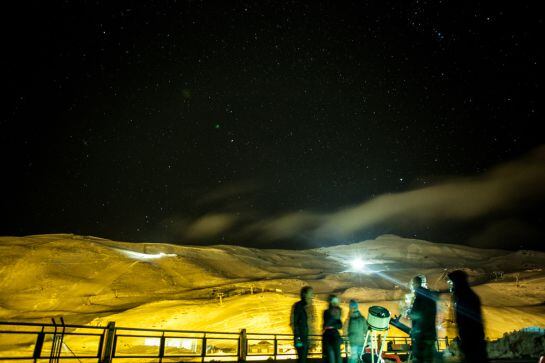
(378, 319)
(404, 328)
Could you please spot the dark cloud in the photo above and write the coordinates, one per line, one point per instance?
(508, 233)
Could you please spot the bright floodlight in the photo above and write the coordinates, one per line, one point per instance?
(357, 264)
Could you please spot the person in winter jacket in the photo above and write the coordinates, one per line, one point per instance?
(301, 322)
(331, 338)
(356, 331)
(423, 314)
(469, 319)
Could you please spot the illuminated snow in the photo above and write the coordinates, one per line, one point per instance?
(149, 289)
(146, 256)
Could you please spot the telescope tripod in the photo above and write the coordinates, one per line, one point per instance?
(372, 336)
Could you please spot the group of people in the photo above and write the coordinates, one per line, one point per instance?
(303, 318)
(422, 312)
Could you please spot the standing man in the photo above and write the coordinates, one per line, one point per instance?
(302, 315)
(469, 319)
(356, 331)
(422, 314)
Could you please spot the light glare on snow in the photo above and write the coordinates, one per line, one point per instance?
(146, 256)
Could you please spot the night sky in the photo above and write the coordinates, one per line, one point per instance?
(266, 123)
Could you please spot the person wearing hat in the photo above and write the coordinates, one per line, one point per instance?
(469, 319)
(356, 331)
(423, 313)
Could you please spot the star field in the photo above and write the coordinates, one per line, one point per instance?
(135, 122)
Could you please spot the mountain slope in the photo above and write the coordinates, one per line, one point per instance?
(92, 280)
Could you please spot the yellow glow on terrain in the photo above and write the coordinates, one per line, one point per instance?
(93, 281)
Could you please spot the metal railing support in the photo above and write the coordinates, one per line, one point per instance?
(275, 346)
(162, 348)
(242, 346)
(61, 340)
(38, 346)
(108, 349)
(100, 346)
(56, 343)
(203, 349)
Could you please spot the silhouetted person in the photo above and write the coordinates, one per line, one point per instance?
(301, 316)
(331, 339)
(356, 330)
(422, 314)
(467, 308)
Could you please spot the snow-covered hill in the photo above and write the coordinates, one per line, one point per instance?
(92, 280)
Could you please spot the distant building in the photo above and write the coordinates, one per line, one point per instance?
(263, 346)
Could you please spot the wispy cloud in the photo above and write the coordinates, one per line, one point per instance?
(229, 192)
(285, 226)
(507, 186)
(504, 188)
(210, 225)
